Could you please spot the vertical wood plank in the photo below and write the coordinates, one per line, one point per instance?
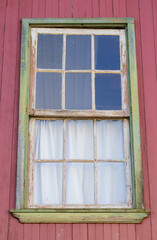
(122, 7)
(106, 8)
(31, 232)
(55, 9)
(2, 32)
(123, 231)
(99, 232)
(64, 232)
(150, 88)
(35, 9)
(115, 232)
(116, 8)
(96, 9)
(15, 230)
(80, 231)
(107, 231)
(51, 232)
(154, 13)
(43, 232)
(65, 8)
(89, 12)
(134, 10)
(91, 232)
(78, 8)
(131, 232)
(7, 113)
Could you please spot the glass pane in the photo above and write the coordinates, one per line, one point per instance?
(108, 92)
(78, 92)
(79, 139)
(48, 90)
(48, 183)
(49, 51)
(79, 183)
(107, 52)
(78, 52)
(110, 143)
(111, 183)
(49, 139)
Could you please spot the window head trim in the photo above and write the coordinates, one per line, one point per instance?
(23, 139)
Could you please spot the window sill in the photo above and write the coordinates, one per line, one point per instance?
(80, 215)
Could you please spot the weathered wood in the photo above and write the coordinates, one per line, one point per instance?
(8, 54)
(150, 90)
(23, 121)
(85, 216)
(133, 10)
(80, 114)
(135, 122)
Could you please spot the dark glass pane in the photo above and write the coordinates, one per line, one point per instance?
(78, 52)
(49, 51)
(108, 91)
(48, 90)
(78, 92)
(107, 52)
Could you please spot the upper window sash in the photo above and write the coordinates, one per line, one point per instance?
(63, 111)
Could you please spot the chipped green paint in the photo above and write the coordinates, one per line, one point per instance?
(80, 216)
(135, 121)
(79, 22)
(21, 193)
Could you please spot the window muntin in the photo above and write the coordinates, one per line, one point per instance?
(80, 69)
(75, 84)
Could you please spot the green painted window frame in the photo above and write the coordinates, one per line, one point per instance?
(25, 215)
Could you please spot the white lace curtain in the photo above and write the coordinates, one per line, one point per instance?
(79, 177)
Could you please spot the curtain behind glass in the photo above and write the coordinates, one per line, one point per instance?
(48, 176)
(111, 179)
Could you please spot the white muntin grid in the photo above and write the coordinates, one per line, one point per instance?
(92, 114)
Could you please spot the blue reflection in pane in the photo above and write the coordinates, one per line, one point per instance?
(78, 91)
(107, 52)
(108, 92)
(49, 51)
(48, 90)
(78, 52)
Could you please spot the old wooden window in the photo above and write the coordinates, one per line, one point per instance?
(83, 140)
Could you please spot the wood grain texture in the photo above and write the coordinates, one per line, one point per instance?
(133, 10)
(2, 32)
(115, 231)
(80, 232)
(89, 10)
(15, 231)
(99, 230)
(7, 111)
(146, 38)
(65, 7)
(154, 14)
(31, 232)
(96, 8)
(150, 88)
(78, 10)
(107, 232)
(91, 228)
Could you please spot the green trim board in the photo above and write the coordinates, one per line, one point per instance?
(79, 216)
(129, 215)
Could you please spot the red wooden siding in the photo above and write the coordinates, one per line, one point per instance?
(11, 12)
